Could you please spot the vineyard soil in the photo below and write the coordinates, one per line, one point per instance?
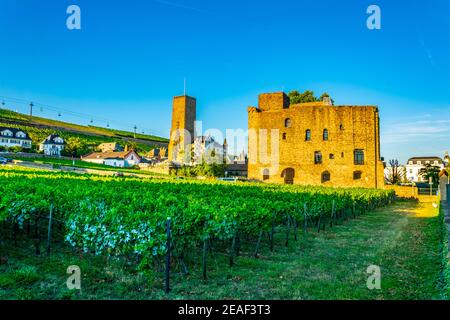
(402, 239)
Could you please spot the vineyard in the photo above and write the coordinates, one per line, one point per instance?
(151, 221)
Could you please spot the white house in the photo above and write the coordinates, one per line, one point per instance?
(10, 137)
(121, 159)
(414, 165)
(52, 145)
(207, 149)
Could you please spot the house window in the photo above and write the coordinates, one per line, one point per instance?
(284, 136)
(358, 156)
(266, 174)
(331, 156)
(308, 135)
(317, 157)
(325, 176)
(357, 175)
(325, 134)
(287, 123)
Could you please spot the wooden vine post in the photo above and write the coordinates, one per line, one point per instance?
(49, 231)
(272, 233)
(205, 251)
(333, 214)
(305, 222)
(168, 246)
(258, 243)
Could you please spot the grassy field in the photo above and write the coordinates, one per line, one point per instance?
(402, 239)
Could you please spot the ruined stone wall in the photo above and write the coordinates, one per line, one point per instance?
(349, 128)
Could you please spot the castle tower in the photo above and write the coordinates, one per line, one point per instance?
(182, 132)
(225, 151)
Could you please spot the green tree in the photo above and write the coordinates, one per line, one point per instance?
(307, 96)
(396, 176)
(430, 171)
(75, 147)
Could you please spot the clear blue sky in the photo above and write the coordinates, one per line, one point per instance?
(131, 56)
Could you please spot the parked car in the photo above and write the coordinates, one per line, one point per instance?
(118, 174)
(3, 160)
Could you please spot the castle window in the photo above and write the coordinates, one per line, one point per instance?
(266, 174)
(325, 176)
(325, 134)
(358, 156)
(308, 135)
(284, 136)
(317, 157)
(357, 175)
(341, 127)
(287, 123)
(331, 156)
(342, 154)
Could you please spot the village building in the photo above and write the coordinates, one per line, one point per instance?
(52, 145)
(122, 159)
(314, 143)
(110, 147)
(207, 149)
(11, 137)
(415, 164)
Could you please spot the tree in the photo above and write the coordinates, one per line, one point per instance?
(395, 176)
(307, 96)
(430, 171)
(75, 147)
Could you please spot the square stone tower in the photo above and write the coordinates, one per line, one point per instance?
(182, 132)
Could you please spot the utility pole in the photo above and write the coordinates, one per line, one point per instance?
(135, 128)
(31, 109)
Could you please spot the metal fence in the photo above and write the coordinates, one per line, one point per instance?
(427, 191)
(448, 194)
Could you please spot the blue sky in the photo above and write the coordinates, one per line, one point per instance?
(130, 58)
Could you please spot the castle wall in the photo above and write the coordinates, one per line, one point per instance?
(349, 128)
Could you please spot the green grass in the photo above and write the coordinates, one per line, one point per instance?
(402, 239)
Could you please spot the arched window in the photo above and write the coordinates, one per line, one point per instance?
(308, 135)
(325, 134)
(341, 126)
(284, 136)
(358, 156)
(357, 175)
(266, 174)
(325, 176)
(287, 123)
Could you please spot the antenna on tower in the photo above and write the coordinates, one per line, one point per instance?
(184, 85)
